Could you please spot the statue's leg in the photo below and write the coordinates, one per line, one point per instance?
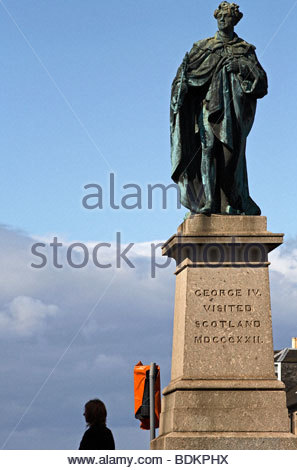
(208, 180)
(208, 171)
(230, 200)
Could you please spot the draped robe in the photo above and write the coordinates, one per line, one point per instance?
(228, 101)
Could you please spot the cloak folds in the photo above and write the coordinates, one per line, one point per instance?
(207, 98)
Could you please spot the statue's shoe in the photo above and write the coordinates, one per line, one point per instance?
(206, 209)
(231, 211)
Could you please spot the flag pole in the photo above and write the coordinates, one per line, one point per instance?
(152, 400)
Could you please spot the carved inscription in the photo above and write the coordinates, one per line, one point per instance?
(228, 339)
(234, 324)
(226, 292)
(227, 308)
(228, 324)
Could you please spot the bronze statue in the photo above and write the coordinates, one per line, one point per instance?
(213, 105)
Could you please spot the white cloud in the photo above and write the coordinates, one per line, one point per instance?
(24, 316)
(284, 261)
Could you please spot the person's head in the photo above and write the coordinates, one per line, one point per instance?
(228, 15)
(95, 412)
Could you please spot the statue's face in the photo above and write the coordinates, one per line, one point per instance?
(225, 21)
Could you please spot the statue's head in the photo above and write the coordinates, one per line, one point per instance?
(227, 14)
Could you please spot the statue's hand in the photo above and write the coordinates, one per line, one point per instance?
(232, 66)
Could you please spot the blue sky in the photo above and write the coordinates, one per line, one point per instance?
(85, 89)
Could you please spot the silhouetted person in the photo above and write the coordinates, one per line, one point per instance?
(97, 436)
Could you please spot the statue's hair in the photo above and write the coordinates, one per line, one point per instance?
(233, 10)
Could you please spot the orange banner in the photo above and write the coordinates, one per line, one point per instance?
(141, 395)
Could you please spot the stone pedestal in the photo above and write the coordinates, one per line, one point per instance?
(223, 392)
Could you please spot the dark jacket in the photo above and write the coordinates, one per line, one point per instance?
(97, 437)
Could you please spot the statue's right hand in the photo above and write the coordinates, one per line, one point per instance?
(233, 66)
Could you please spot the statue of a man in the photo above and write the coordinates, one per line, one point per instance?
(213, 105)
